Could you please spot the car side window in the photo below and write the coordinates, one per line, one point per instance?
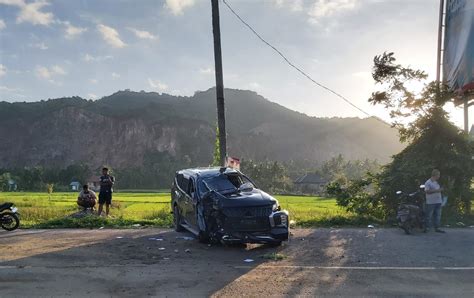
(191, 188)
(182, 182)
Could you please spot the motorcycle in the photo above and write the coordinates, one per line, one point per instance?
(410, 213)
(9, 217)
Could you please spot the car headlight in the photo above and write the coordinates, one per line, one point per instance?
(276, 207)
(284, 220)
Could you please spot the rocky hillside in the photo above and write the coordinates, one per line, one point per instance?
(127, 128)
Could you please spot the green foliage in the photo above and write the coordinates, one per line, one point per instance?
(216, 160)
(337, 169)
(434, 142)
(4, 178)
(269, 176)
(442, 146)
(358, 196)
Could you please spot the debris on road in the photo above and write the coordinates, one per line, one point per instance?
(248, 260)
(161, 248)
(136, 225)
(185, 237)
(188, 250)
(119, 237)
(155, 239)
(371, 226)
(461, 224)
(101, 228)
(176, 251)
(274, 256)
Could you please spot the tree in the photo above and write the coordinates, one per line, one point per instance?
(433, 141)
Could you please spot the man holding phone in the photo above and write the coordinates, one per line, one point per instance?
(433, 202)
(105, 194)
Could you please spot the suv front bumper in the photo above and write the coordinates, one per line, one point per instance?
(279, 231)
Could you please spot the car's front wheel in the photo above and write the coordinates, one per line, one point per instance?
(177, 219)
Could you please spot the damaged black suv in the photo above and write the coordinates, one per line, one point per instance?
(223, 205)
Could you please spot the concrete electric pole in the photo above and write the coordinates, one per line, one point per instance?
(219, 82)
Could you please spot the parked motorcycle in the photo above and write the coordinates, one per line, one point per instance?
(9, 217)
(410, 213)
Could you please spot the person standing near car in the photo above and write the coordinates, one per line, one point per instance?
(433, 202)
(105, 194)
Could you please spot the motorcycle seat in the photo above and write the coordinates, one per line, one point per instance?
(5, 206)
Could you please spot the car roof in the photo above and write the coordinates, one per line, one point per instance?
(203, 172)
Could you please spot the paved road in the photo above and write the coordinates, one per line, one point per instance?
(318, 262)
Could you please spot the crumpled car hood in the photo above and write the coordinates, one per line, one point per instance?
(251, 198)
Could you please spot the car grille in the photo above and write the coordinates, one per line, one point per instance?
(247, 219)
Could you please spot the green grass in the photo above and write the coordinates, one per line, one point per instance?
(153, 209)
(128, 209)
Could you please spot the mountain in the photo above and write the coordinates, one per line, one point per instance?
(135, 129)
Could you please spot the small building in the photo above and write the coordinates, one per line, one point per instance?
(75, 185)
(311, 183)
(94, 183)
(12, 186)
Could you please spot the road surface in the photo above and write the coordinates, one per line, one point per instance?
(316, 262)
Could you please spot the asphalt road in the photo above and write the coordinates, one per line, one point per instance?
(317, 262)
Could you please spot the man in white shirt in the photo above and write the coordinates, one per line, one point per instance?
(433, 202)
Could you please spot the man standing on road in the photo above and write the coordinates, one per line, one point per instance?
(105, 194)
(433, 202)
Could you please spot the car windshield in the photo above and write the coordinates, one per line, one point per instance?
(223, 183)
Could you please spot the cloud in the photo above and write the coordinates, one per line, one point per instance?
(293, 5)
(177, 6)
(92, 96)
(7, 89)
(93, 81)
(362, 75)
(90, 58)
(253, 86)
(111, 36)
(2, 24)
(115, 75)
(207, 71)
(155, 84)
(46, 73)
(143, 34)
(3, 70)
(40, 45)
(327, 8)
(73, 31)
(31, 12)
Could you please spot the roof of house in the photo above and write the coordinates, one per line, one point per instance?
(75, 183)
(311, 178)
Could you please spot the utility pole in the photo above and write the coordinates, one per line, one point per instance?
(440, 44)
(216, 30)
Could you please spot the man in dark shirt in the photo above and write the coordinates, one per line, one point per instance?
(105, 194)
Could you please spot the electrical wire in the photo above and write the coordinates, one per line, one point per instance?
(296, 67)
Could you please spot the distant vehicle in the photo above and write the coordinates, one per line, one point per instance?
(223, 205)
(410, 213)
(9, 217)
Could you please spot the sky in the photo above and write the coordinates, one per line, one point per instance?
(93, 48)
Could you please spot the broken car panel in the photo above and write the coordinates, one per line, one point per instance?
(223, 205)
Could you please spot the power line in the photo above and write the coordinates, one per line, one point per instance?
(294, 66)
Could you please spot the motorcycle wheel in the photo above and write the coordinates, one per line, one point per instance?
(9, 221)
(406, 227)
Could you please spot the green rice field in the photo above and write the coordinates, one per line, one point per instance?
(39, 210)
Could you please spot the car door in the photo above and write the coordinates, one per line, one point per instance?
(191, 199)
(181, 184)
